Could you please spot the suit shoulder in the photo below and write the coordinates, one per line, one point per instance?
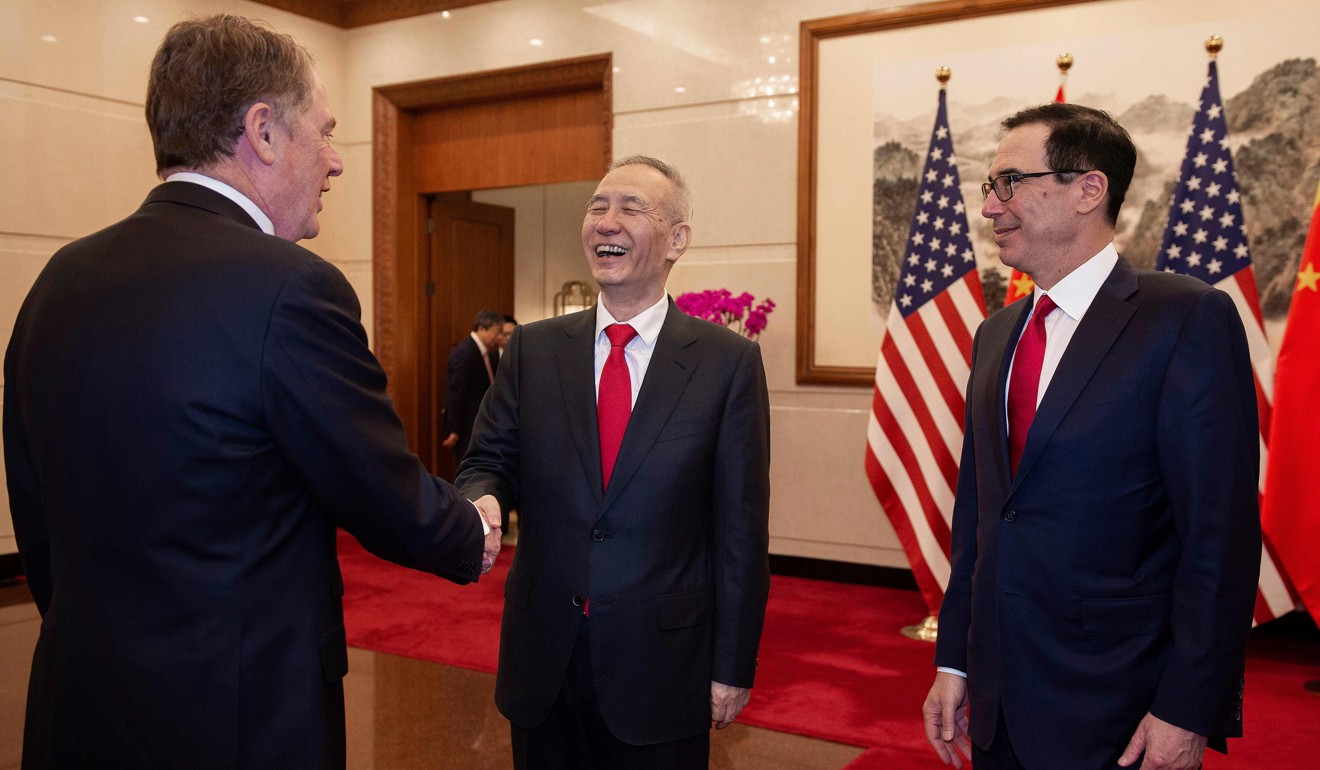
(721, 335)
(715, 343)
(1181, 295)
(557, 327)
(465, 349)
(1162, 283)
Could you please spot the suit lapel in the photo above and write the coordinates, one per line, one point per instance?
(671, 368)
(1104, 321)
(576, 362)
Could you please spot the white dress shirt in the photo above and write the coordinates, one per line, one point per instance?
(638, 350)
(1073, 295)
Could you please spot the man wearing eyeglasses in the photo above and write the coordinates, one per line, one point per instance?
(1106, 538)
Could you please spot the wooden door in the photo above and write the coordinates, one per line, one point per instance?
(470, 267)
(541, 123)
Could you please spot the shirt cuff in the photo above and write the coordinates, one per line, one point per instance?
(948, 670)
(485, 527)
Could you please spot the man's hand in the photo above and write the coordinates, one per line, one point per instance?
(945, 717)
(726, 703)
(450, 441)
(1167, 747)
(489, 508)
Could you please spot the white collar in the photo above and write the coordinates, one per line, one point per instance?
(647, 323)
(211, 183)
(480, 346)
(1076, 290)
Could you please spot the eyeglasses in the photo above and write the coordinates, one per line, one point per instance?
(1003, 184)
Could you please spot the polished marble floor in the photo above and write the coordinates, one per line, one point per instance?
(406, 714)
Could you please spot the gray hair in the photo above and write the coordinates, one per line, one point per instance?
(487, 318)
(681, 205)
(204, 77)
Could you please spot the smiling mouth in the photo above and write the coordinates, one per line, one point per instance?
(610, 251)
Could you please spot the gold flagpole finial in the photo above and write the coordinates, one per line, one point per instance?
(943, 74)
(1213, 45)
(1064, 62)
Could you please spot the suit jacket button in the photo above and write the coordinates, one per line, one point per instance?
(578, 600)
(598, 535)
(1010, 515)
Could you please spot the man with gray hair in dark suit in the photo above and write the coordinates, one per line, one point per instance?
(635, 442)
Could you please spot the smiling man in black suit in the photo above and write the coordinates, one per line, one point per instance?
(634, 441)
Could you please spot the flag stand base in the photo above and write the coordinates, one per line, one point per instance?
(1313, 686)
(926, 630)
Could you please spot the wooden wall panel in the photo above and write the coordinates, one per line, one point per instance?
(527, 141)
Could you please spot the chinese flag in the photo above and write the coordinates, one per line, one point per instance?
(1290, 510)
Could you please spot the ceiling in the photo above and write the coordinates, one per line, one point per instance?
(347, 14)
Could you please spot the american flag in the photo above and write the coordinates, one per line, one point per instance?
(1207, 238)
(915, 432)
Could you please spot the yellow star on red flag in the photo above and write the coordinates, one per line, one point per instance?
(1308, 278)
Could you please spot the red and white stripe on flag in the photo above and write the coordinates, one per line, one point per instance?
(915, 433)
(914, 436)
(1274, 593)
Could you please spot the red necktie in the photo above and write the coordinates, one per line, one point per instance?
(1024, 381)
(614, 400)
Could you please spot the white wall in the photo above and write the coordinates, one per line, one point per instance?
(75, 156)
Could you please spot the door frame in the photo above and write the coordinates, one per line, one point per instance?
(399, 210)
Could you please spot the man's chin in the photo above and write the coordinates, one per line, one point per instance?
(1010, 259)
(605, 277)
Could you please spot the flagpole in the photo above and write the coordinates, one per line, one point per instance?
(928, 629)
(1064, 62)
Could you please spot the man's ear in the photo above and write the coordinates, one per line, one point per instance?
(258, 123)
(1094, 186)
(679, 241)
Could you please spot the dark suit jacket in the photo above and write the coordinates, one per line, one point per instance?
(190, 409)
(465, 385)
(672, 556)
(1116, 573)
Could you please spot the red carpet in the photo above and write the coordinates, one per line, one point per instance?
(833, 664)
